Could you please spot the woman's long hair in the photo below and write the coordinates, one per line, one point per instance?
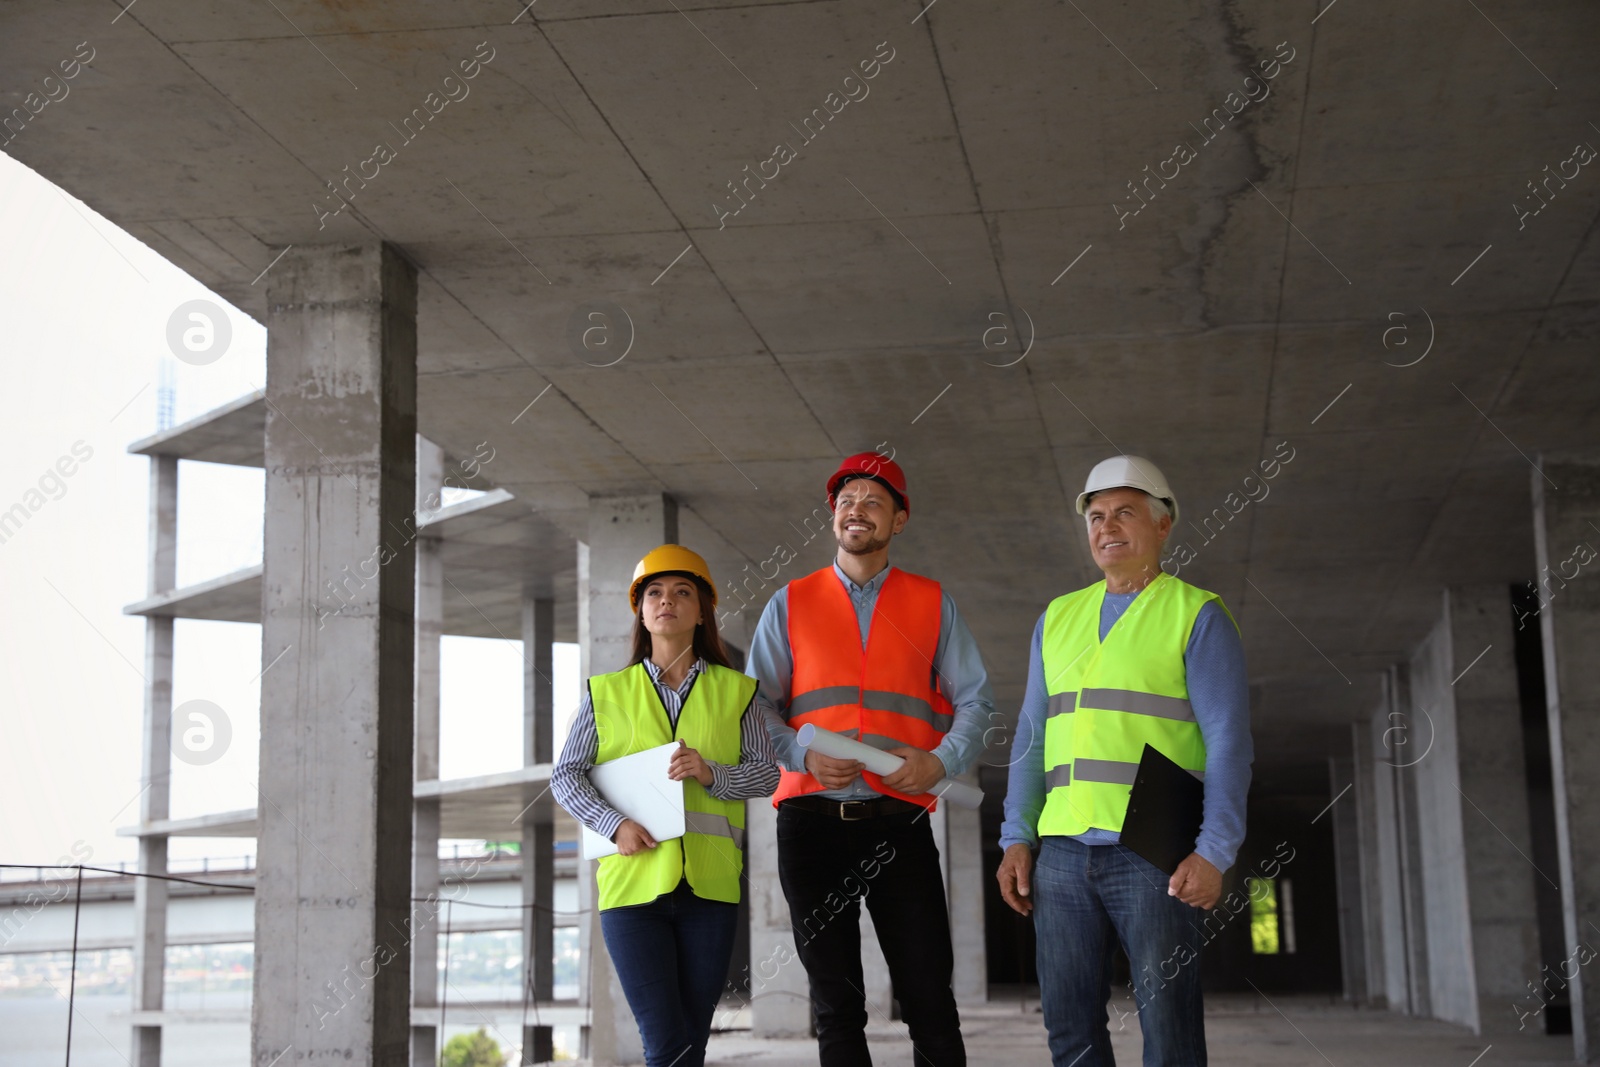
(707, 640)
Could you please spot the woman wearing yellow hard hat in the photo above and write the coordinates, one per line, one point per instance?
(667, 909)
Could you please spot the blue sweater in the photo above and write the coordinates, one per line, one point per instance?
(1220, 694)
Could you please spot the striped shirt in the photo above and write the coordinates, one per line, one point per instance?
(756, 774)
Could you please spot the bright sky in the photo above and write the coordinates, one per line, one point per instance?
(85, 310)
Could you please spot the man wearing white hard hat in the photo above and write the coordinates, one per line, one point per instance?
(1138, 658)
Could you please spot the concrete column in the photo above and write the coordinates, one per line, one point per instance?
(538, 827)
(1388, 736)
(589, 940)
(150, 894)
(621, 530)
(964, 883)
(1347, 878)
(1413, 898)
(1376, 925)
(1566, 526)
(332, 970)
(425, 815)
(780, 995)
(1472, 806)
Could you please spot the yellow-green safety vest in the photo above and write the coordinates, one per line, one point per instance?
(629, 717)
(1108, 700)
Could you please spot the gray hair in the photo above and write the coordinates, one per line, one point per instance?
(1158, 507)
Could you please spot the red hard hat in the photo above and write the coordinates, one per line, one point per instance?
(874, 465)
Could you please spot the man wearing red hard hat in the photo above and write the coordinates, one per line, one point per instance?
(880, 655)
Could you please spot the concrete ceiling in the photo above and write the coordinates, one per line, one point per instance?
(847, 303)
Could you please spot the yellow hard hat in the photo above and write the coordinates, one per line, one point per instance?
(670, 559)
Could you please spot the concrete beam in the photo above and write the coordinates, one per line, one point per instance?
(1566, 522)
(332, 978)
(230, 433)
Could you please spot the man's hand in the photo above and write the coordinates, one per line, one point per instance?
(1016, 878)
(631, 837)
(687, 763)
(920, 772)
(832, 773)
(1196, 882)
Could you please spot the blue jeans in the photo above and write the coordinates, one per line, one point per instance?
(671, 956)
(1087, 897)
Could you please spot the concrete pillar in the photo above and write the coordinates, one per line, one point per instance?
(332, 973)
(621, 530)
(1413, 898)
(780, 995)
(964, 885)
(1345, 818)
(1472, 814)
(1566, 521)
(1388, 737)
(1376, 924)
(150, 894)
(425, 815)
(538, 827)
(589, 939)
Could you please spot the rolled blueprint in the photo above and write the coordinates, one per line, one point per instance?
(880, 762)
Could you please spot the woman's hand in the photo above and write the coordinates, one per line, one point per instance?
(687, 763)
(631, 837)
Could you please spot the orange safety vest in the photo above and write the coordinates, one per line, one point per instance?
(884, 695)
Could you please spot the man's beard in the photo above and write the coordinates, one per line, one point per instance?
(863, 548)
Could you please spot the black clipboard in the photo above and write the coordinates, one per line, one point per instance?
(1165, 808)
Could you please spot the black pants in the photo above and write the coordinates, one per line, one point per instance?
(827, 866)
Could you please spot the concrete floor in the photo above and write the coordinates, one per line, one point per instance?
(1240, 1030)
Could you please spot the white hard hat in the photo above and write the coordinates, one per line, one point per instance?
(1128, 472)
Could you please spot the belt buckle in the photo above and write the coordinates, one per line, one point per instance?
(845, 807)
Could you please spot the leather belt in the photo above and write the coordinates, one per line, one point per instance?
(853, 810)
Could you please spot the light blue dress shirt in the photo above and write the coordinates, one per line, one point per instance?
(962, 678)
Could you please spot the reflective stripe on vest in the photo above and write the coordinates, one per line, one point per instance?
(629, 717)
(886, 693)
(701, 822)
(1107, 700)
